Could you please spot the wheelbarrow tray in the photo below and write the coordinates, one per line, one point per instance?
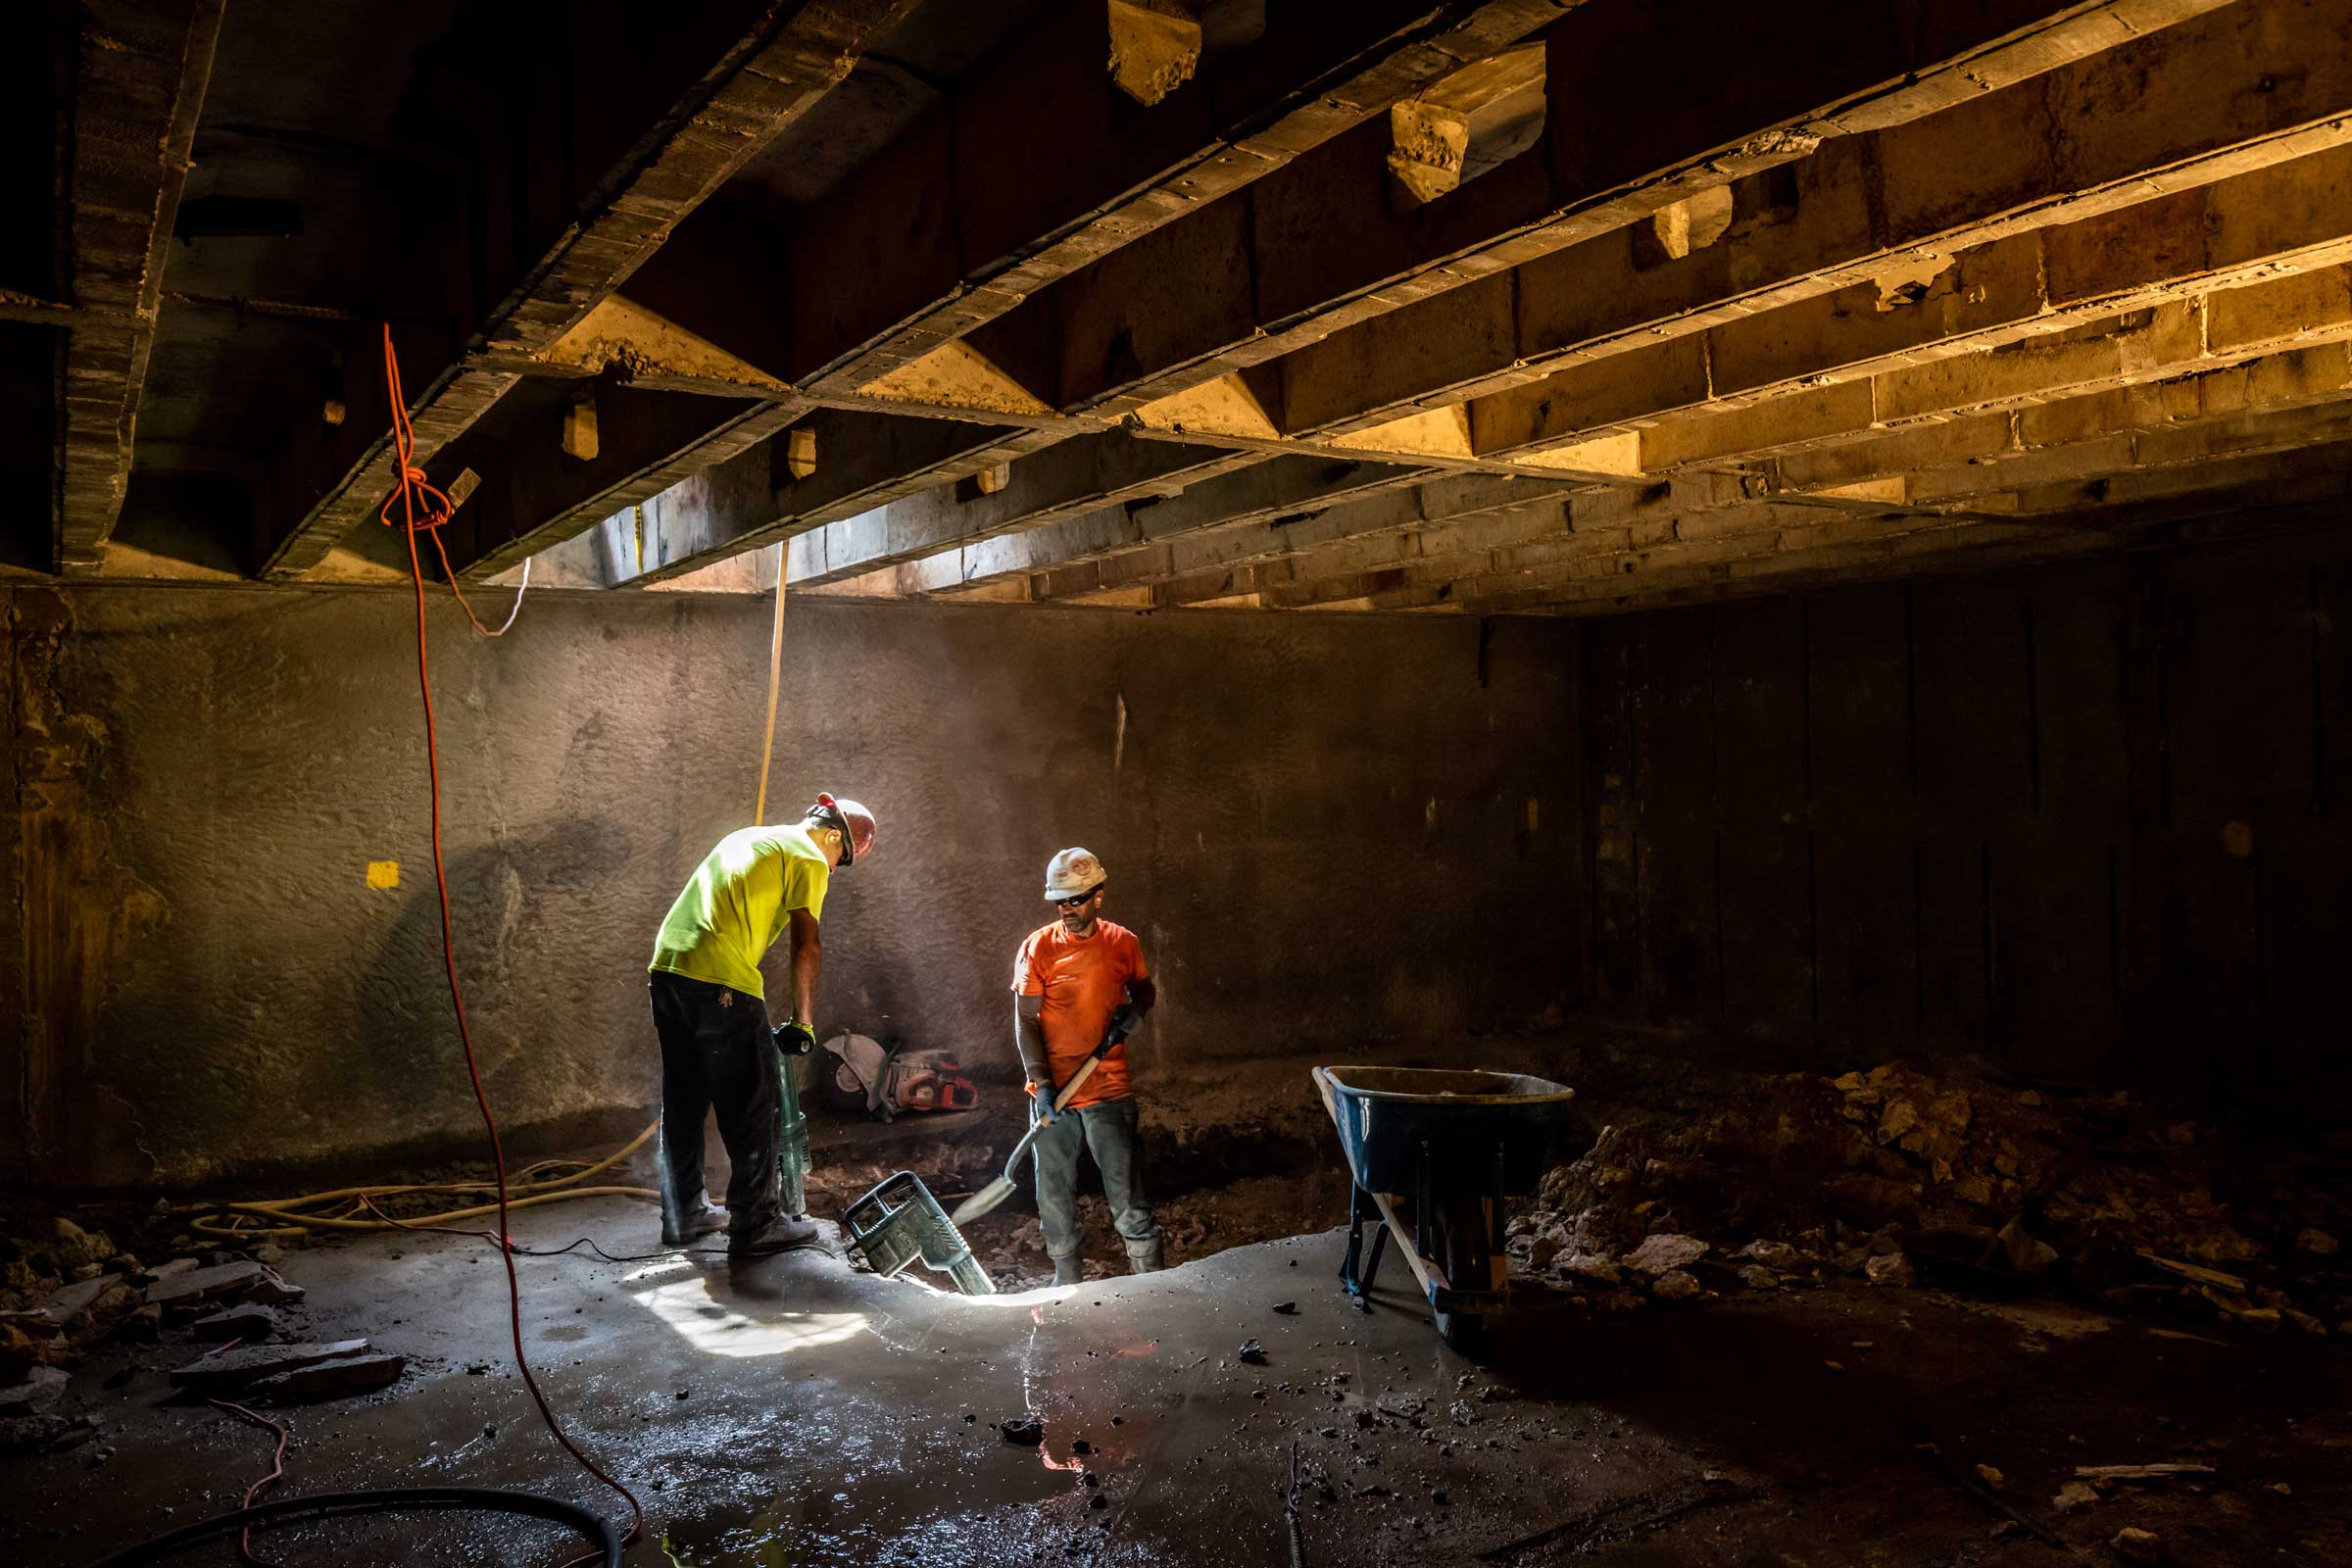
(1490, 1132)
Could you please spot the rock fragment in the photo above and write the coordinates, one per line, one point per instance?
(234, 1368)
(1675, 1285)
(1027, 1429)
(1663, 1253)
(2137, 1545)
(1251, 1353)
(337, 1378)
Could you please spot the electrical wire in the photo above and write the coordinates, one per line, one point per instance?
(277, 1473)
(413, 489)
(388, 1499)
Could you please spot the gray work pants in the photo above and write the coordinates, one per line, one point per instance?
(1108, 1130)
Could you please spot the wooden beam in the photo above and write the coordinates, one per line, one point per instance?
(139, 87)
(1319, 247)
(1069, 479)
(762, 82)
(1858, 359)
(1276, 488)
(2153, 115)
(1034, 164)
(864, 461)
(535, 494)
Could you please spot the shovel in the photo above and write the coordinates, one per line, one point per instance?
(995, 1192)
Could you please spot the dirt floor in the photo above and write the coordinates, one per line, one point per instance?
(791, 1411)
(1648, 1403)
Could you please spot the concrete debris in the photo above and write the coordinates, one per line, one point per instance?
(1675, 1285)
(40, 1389)
(76, 1247)
(88, 1308)
(1252, 1353)
(248, 1320)
(1027, 1429)
(1662, 1254)
(251, 1281)
(1991, 1477)
(1286, 1309)
(1898, 1176)
(239, 1365)
(335, 1378)
(2075, 1496)
(2137, 1545)
(1890, 1268)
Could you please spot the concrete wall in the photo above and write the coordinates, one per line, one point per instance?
(2086, 822)
(1325, 829)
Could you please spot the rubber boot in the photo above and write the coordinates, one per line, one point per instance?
(1145, 1261)
(1070, 1270)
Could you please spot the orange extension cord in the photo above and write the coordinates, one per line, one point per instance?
(423, 510)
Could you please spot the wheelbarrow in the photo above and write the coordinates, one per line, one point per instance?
(1433, 1152)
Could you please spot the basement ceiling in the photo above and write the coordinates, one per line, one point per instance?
(1527, 307)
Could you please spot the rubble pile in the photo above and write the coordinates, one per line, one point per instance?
(1896, 1175)
(67, 1292)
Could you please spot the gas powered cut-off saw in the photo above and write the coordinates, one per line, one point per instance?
(861, 1073)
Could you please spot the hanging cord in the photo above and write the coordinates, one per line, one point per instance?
(415, 496)
(775, 672)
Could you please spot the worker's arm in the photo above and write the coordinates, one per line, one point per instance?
(1029, 1043)
(808, 962)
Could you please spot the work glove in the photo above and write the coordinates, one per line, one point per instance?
(1126, 1018)
(1042, 1097)
(795, 1038)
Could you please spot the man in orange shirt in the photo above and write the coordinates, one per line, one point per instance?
(1073, 979)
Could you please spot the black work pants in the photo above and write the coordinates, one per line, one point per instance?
(718, 1055)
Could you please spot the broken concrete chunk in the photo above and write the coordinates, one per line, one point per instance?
(337, 1378)
(2137, 1545)
(77, 1247)
(247, 1320)
(1286, 1309)
(242, 1364)
(2102, 1474)
(1890, 1269)
(2315, 1241)
(40, 1389)
(87, 1308)
(253, 1281)
(1756, 1277)
(1252, 1353)
(1991, 1477)
(1778, 1257)
(2075, 1496)
(1660, 1254)
(1027, 1429)
(1675, 1285)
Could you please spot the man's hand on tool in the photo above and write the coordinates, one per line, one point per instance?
(795, 1038)
(1126, 1018)
(1041, 1095)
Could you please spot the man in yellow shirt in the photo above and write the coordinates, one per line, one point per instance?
(717, 1053)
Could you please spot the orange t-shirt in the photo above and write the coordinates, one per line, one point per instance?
(1083, 980)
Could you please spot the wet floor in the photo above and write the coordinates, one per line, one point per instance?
(790, 1412)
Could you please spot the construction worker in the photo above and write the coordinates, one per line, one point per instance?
(717, 1053)
(1074, 978)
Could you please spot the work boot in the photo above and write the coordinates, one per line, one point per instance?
(778, 1235)
(1145, 1261)
(698, 1221)
(1070, 1270)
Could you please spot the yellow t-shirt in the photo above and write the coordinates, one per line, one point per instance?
(737, 904)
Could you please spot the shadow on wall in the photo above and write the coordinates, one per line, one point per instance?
(543, 1051)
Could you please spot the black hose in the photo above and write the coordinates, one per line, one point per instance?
(327, 1504)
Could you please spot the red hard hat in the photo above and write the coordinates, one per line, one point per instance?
(855, 822)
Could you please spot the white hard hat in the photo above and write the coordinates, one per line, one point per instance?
(1072, 872)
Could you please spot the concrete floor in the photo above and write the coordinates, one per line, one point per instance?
(792, 1411)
